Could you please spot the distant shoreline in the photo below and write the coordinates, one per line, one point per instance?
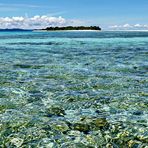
(66, 30)
(42, 30)
(72, 28)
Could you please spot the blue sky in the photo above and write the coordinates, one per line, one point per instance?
(105, 13)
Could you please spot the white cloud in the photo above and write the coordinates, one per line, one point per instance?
(129, 27)
(137, 25)
(36, 22)
(32, 22)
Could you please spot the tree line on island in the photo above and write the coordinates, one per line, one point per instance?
(73, 28)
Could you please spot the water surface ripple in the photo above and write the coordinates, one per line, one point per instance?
(74, 89)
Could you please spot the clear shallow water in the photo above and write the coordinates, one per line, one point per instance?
(73, 89)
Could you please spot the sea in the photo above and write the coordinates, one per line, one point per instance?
(74, 89)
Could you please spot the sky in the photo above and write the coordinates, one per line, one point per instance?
(108, 14)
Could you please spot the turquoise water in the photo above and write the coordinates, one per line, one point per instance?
(74, 89)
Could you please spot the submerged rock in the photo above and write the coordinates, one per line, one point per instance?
(138, 113)
(109, 145)
(133, 144)
(81, 127)
(55, 111)
(17, 141)
(62, 127)
(100, 122)
(2, 109)
(90, 124)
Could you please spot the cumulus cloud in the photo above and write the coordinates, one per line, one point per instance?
(35, 22)
(129, 27)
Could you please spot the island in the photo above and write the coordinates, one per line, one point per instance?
(96, 28)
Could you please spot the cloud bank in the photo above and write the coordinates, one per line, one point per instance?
(129, 27)
(35, 22)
